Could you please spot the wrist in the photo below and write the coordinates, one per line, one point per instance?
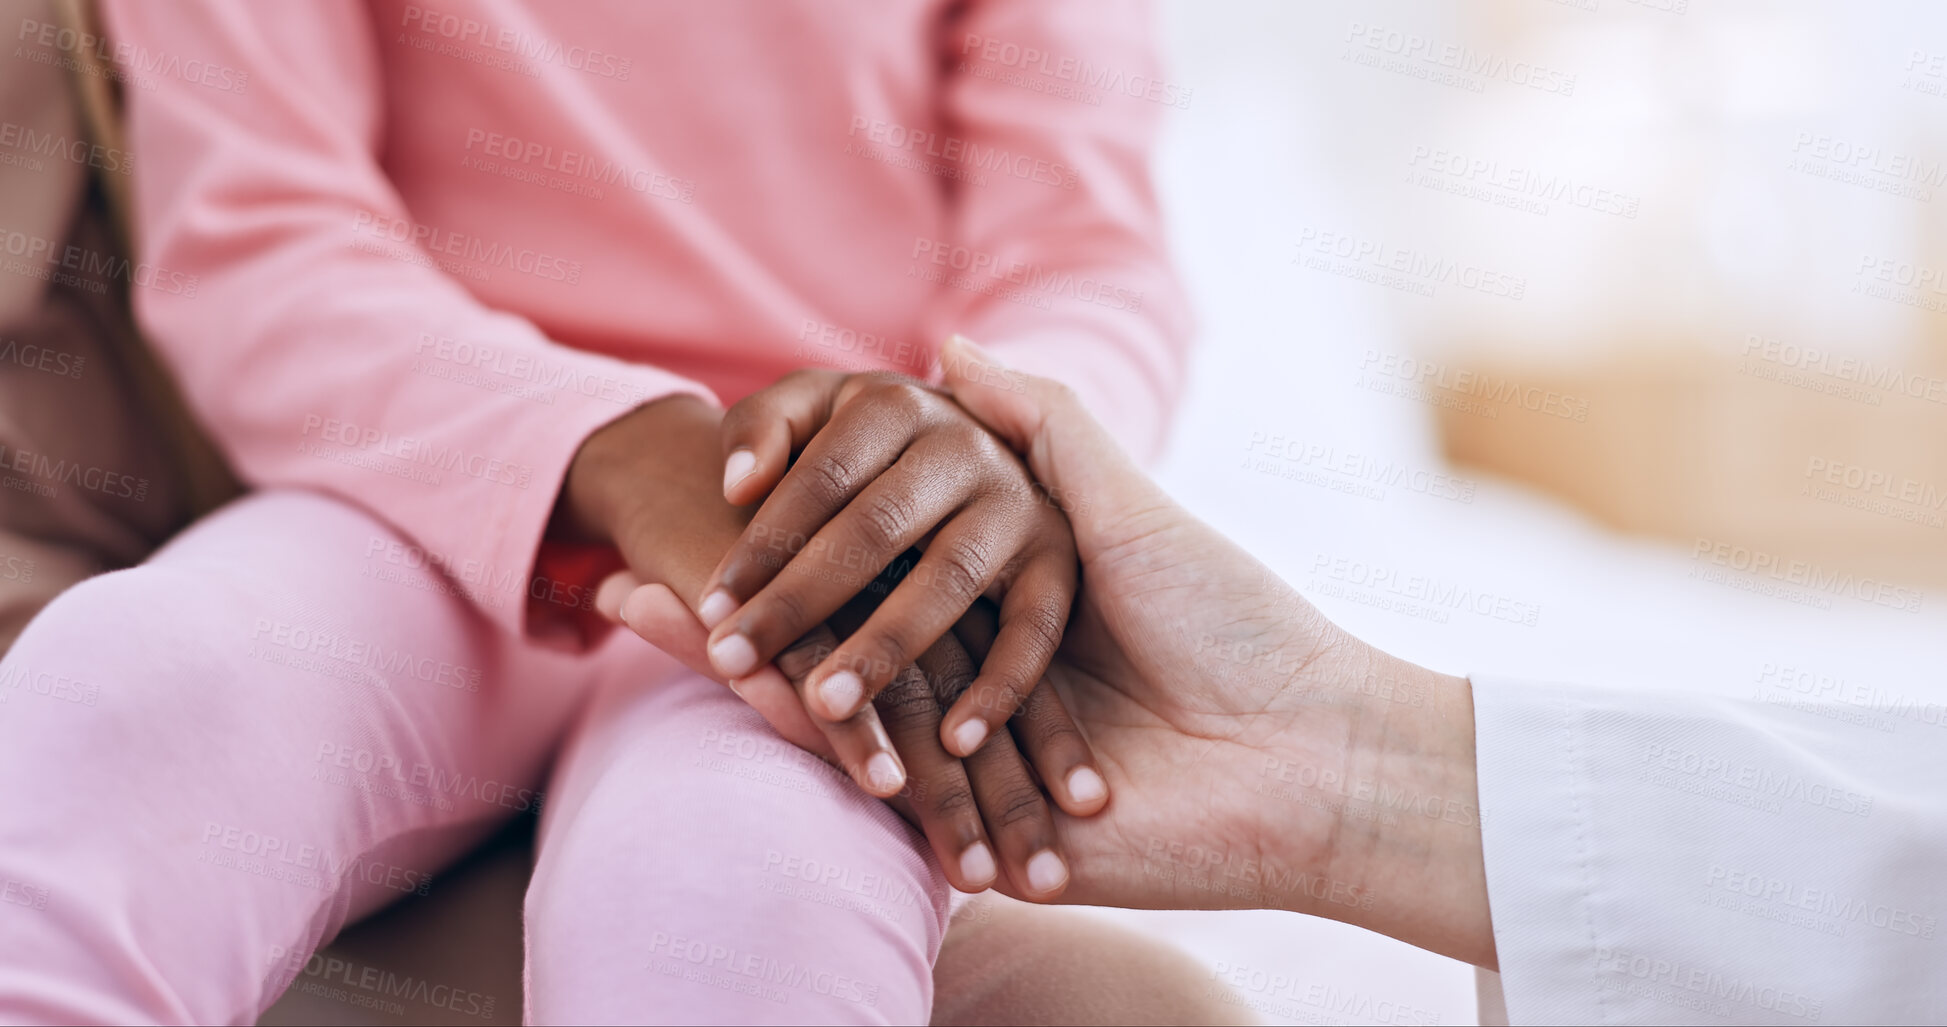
(1418, 860)
(603, 488)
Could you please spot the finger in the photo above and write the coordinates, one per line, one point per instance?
(761, 431)
(860, 741)
(1033, 615)
(613, 590)
(1044, 730)
(897, 509)
(1107, 498)
(938, 790)
(962, 560)
(1011, 802)
(654, 612)
(854, 449)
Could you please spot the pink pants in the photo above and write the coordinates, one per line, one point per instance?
(212, 762)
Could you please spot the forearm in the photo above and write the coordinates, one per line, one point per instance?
(312, 335)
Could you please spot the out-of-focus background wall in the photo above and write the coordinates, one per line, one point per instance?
(1594, 340)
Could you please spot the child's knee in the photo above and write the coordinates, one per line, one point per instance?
(713, 849)
(119, 644)
(724, 904)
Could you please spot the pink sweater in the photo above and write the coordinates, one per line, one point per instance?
(412, 254)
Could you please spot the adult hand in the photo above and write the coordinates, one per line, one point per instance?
(1257, 755)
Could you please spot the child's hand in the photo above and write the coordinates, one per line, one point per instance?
(885, 464)
(958, 806)
(648, 484)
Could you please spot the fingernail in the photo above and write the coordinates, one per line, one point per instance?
(883, 774)
(738, 467)
(969, 735)
(1046, 871)
(1086, 786)
(715, 607)
(733, 656)
(977, 864)
(841, 693)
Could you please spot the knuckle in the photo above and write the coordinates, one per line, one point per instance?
(909, 699)
(990, 452)
(964, 566)
(801, 656)
(740, 421)
(1050, 730)
(953, 672)
(955, 800)
(884, 523)
(1002, 699)
(1019, 804)
(826, 480)
(1041, 625)
(903, 394)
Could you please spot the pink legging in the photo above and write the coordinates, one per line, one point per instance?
(212, 762)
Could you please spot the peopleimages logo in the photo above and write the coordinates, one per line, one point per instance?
(1848, 153)
(1433, 374)
(1415, 51)
(417, 452)
(1358, 256)
(39, 257)
(953, 150)
(576, 166)
(1816, 580)
(59, 146)
(1843, 369)
(1527, 184)
(469, 248)
(1034, 278)
(433, 24)
(1032, 60)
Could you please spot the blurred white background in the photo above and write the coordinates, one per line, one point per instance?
(1762, 151)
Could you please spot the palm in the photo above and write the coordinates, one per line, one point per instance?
(1192, 729)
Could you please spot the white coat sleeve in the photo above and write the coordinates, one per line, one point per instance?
(1660, 858)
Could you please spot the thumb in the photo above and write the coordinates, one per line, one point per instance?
(1086, 473)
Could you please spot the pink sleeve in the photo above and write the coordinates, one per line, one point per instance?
(318, 359)
(1056, 104)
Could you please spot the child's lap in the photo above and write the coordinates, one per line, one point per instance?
(289, 668)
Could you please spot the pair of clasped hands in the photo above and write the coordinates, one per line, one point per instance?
(1087, 702)
(890, 592)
